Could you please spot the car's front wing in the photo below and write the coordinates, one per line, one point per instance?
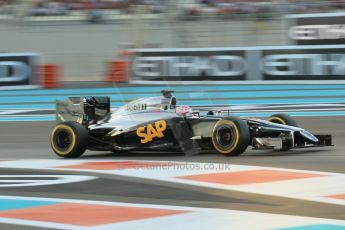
(286, 142)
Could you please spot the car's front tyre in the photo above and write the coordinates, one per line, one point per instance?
(69, 139)
(231, 136)
(283, 119)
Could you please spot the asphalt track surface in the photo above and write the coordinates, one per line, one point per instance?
(24, 140)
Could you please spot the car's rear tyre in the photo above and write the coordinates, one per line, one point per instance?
(283, 119)
(69, 139)
(231, 136)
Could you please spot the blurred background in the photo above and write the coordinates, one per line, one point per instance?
(82, 36)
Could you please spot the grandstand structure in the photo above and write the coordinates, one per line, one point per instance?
(83, 35)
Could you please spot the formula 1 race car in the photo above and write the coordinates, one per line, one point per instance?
(157, 123)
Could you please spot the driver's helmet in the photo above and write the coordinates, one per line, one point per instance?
(184, 110)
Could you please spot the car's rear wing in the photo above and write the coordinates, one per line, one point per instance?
(82, 109)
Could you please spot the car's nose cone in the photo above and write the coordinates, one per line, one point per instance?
(309, 136)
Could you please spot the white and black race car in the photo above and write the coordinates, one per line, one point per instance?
(157, 123)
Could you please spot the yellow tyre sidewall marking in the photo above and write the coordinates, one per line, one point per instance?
(237, 135)
(69, 129)
(271, 119)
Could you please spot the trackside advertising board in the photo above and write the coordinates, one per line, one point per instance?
(316, 29)
(240, 64)
(17, 69)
